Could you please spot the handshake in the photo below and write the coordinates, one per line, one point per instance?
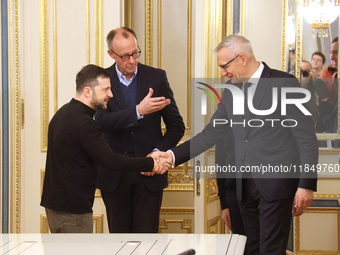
(162, 162)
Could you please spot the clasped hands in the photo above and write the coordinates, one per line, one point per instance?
(162, 162)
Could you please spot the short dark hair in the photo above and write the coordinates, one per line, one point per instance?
(87, 77)
(112, 34)
(318, 53)
(335, 39)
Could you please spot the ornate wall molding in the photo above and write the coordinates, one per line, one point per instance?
(44, 73)
(284, 22)
(159, 33)
(189, 60)
(185, 224)
(214, 222)
(212, 190)
(98, 227)
(15, 140)
(148, 32)
(88, 31)
(55, 55)
(178, 210)
(99, 59)
(207, 47)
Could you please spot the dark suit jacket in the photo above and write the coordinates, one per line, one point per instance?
(120, 125)
(266, 145)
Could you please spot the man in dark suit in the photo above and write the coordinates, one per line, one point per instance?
(131, 124)
(280, 140)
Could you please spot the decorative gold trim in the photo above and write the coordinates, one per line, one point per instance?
(55, 55)
(284, 43)
(242, 13)
(207, 29)
(298, 44)
(178, 178)
(88, 31)
(212, 190)
(97, 194)
(127, 13)
(331, 151)
(218, 33)
(180, 187)
(98, 220)
(213, 222)
(44, 73)
(159, 33)
(42, 177)
(297, 231)
(323, 136)
(189, 60)
(164, 224)
(177, 210)
(99, 32)
(229, 19)
(148, 32)
(327, 196)
(44, 229)
(15, 140)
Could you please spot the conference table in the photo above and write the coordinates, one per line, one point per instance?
(121, 244)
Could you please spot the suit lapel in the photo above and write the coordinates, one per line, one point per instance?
(115, 87)
(142, 86)
(260, 91)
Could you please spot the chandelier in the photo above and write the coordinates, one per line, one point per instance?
(320, 14)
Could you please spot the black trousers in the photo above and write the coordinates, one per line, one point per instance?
(234, 211)
(267, 223)
(131, 207)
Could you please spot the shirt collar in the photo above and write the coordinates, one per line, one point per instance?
(122, 77)
(254, 79)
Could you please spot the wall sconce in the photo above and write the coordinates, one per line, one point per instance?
(320, 14)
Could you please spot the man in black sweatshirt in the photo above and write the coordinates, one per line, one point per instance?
(75, 147)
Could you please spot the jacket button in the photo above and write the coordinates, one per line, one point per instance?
(246, 141)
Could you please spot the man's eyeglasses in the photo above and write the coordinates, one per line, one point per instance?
(126, 57)
(230, 61)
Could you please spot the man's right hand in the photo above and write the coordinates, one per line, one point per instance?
(151, 104)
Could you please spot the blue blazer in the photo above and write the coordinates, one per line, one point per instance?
(120, 125)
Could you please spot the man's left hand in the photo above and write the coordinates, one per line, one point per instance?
(303, 199)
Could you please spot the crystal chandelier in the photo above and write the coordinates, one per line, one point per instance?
(320, 14)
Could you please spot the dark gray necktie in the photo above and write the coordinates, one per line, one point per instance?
(246, 109)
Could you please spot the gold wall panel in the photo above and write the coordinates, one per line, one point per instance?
(297, 231)
(98, 227)
(214, 226)
(185, 225)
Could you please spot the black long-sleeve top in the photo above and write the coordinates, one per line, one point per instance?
(75, 147)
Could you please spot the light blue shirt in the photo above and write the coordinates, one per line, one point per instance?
(124, 81)
(122, 77)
